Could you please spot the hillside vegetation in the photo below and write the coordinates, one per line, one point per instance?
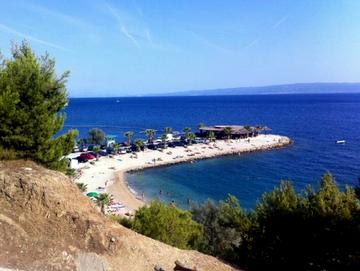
(317, 229)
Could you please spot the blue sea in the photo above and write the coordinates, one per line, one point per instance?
(314, 122)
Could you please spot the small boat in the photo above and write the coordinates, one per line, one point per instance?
(340, 141)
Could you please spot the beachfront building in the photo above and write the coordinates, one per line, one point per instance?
(237, 131)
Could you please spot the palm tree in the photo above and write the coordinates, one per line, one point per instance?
(103, 200)
(187, 130)
(150, 134)
(211, 136)
(168, 130)
(116, 148)
(248, 128)
(82, 187)
(129, 135)
(139, 144)
(201, 124)
(96, 150)
(190, 137)
(163, 139)
(228, 132)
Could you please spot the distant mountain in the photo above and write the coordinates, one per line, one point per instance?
(275, 89)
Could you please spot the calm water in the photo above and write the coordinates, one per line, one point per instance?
(313, 121)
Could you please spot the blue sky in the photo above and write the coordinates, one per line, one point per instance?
(133, 47)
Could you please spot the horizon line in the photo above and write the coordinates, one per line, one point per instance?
(182, 93)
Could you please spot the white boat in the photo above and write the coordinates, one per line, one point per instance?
(340, 141)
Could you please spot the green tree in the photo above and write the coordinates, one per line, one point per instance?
(223, 225)
(32, 98)
(103, 200)
(163, 139)
(139, 143)
(187, 130)
(312, 230)
(324, 222)
(190, 137)
(150, 133)
(97, 150)
(228, 132)
(129, 135)
(82, 187)
(168, 224)
(96, 136)
(116, 148)
(211, 136)
(201, 125)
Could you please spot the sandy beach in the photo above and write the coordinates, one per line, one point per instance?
(108, 173)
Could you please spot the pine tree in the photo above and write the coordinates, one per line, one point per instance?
(32, 98)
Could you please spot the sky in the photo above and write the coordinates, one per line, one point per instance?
(134, 47)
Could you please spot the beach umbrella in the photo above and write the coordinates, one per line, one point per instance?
(92, 194)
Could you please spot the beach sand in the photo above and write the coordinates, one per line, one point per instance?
(108, 174)
(121, 192)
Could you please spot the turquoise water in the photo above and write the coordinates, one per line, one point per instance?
(313, 121)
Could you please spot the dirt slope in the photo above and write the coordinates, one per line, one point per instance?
(47, 224)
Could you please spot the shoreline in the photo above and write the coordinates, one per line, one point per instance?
(235, 153)
(121, 191)
(109, 173)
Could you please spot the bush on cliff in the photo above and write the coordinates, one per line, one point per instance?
(168, 224)
(31, 99)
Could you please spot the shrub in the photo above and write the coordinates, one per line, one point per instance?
(168, 224)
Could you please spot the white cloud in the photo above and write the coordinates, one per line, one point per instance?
(129, 36)
(148, 35)
(280, 22)
(123, 28)
(13, 31)
(251, 44)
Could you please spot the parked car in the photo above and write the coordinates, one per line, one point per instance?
(81, 159)
(103, 153)
(88, 156)
(123, 151)
(199, 140)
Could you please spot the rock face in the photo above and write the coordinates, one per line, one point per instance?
(47, 224)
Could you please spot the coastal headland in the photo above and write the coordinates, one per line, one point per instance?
(107, 175)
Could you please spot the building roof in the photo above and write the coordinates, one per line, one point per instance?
(236, 129)
(211, 128)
